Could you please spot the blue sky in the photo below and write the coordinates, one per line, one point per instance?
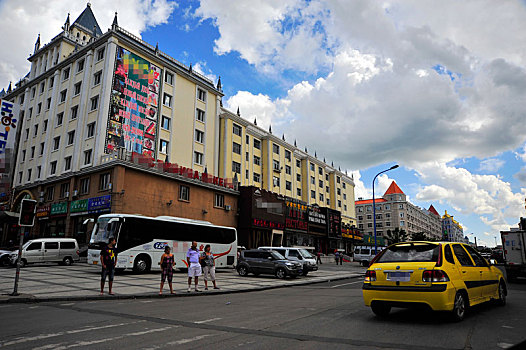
(365, 84)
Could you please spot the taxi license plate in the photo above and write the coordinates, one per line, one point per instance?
(95, 262)
(399, 276)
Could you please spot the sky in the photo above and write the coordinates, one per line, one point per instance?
(437, 87)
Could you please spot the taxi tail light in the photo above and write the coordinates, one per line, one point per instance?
(370, 276)
(434, 276)
(440, 257)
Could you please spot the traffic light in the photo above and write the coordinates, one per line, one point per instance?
(27, 212)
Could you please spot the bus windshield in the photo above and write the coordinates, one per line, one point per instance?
(104, 229)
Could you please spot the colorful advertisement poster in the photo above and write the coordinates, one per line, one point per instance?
(9, 120)
(134, 105)
(99, 204)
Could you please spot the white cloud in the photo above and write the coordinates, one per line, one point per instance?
(24, 20)
(202, 68)
(491, 165)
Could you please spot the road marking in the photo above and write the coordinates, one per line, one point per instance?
(507, 327)
(345, 284)
(178, 342)
(210, 320)
(68, 304)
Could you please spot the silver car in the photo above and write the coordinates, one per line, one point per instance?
(61, 250)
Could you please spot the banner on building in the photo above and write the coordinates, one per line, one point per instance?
(134, 104)
(9, 120)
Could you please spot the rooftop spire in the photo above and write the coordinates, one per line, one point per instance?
(283, 137)
(66, 24)
(393, 188)
(156, 48)
(295, 145)
(86, 21)
(115, 23)
(238, 113)
(190, 68)
(37, 43)
(255, 121)
(219, 83)
(270, 129)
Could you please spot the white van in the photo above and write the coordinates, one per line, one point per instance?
(61, 250)
(365, 253)
(297, 254)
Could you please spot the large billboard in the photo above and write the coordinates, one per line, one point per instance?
(9, 120)
(134, 105)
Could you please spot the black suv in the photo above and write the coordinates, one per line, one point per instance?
(259, 261)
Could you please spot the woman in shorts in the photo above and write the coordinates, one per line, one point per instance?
(209, 269)
(167, 264)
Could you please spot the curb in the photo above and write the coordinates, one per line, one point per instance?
(33, 299)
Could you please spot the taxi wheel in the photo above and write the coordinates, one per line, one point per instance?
(460, 306)
(502, 294)
(380, 309)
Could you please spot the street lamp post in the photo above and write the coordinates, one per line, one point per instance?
(374, 205)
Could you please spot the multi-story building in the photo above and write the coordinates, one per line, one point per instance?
(256, 157)
(393, 210)
(452, 230)
(90, 95)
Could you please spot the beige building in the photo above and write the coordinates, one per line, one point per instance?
(256, 157)
(393, 210)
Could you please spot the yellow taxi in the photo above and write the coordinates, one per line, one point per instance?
(445, 276)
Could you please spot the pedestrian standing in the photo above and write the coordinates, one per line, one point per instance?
(209, 269)
(194, 268)
(108, 260)
(337, 256)
(341, 258)
(167, 264)
(318, 257)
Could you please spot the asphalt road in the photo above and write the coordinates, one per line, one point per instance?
(315, 316)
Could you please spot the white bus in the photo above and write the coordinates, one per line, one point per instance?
(141, 240)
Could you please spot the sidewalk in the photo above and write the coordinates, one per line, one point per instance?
(80, 281)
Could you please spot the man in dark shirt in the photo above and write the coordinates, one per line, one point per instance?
(108, 259)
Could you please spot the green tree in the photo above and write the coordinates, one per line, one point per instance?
(396, 236)
(419, 236)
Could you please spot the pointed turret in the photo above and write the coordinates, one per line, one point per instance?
(255, 122)
(37, 44)
(9, 88)
(190, 68)
(433, 210)
(393, 189)
(283, 137)
(219, 84)
(270, 129)
(306, 150)
(87, 22)
(295, 145)
(66, 25)
(315, 154)
(156, 48)
(115, 23)
(238, 113)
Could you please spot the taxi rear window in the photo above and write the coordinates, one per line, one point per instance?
(410, 252)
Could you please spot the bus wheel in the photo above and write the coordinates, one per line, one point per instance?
(142, 264)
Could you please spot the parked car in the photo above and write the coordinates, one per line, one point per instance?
(61, 250)
(442, 276)
(4, 257)
(259, 261)
(365, 253)
(297, 254)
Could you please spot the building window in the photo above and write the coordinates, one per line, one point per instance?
(320, 170)
(339, 204)
(100, 54)
(344, 196)
(369, 208)
(74, 112)
(257, 144)
(369, 217)
(288, 185)
(326, 177)
(327, 189)
(63, 95)
(219, 200)
(36, 130)
(236, 148)
(169, 78)
(400, 206)
(370, 224)
(257, 177)
(298, 177)
(97, 77)
(312, 180)
(387, 207)
(275, 148)
(402, 223)
(65, 74)
(343, 185)
(87, 157)
(199, 136)
(288, 169)
(80, 66)
(360, 217)
(236, 129)
(184, 193)
(39, 171)
(312, 166)
(201, 94)
(56, 143)
(312, 194)
(257, 160)
(51, 82)
(337, 179)
(236, 167)
(164, 147)
(42, 87)
(64, 190)
(247, 155)
(76, 88)
(165, 122)
(41, 149)
(167, 100)
(71, 137)
(360, 209)
(32, 152)
(39, 108)
(53, 167)
(287, 154)
(94, 103)
(298, 163)
(275, 181)
(67, 163)
(387, 223)
(276, 166)
(246, 174)
(198, 158)
(29, 171)
(60, 118)
(21, 99)
(33, 92)
(30, 113)
(247, 139)
(328, 201)
(91, 129)
(401, 215)
(387, 215)
(48, 103)
(50, 193)
(104, 182)
(20, 176)
(84, 185)
(320, 183)
(200, 115)
(338, 191)
(298, 192)
(321, 197)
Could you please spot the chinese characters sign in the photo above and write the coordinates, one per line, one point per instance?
(134, 104)
(9, 115)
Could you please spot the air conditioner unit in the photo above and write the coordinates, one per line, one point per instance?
(41, 193)
(66, 194)
(109, 186)
(41, 200)
(228, 207)
(75, 193)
